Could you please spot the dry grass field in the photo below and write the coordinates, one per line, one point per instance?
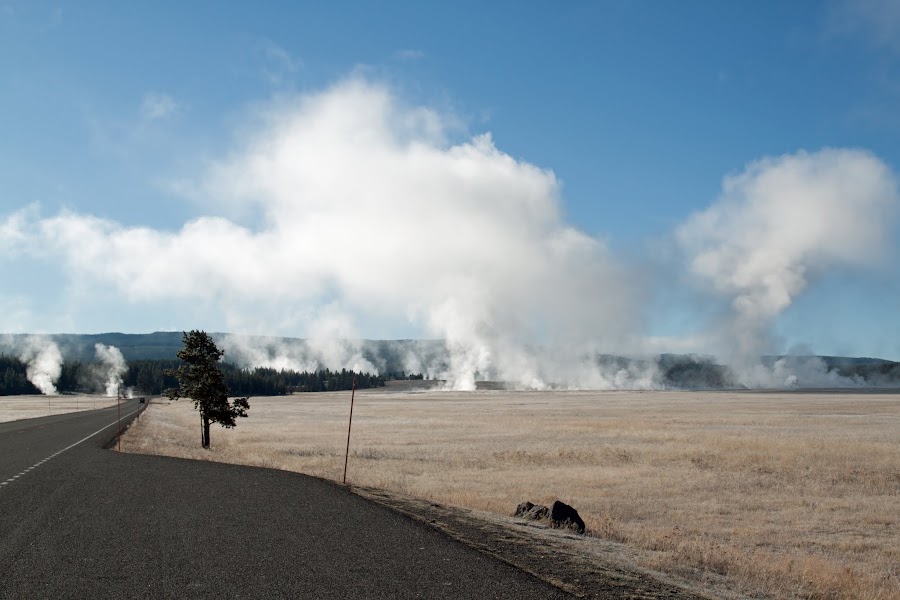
(784, 495)
(13, 408)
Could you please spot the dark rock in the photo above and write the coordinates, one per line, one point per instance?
(523, 508)
(563, 515)
(527, 510)
(538, 512)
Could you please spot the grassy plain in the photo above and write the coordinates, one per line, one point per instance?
(13, 408)
(784, 495)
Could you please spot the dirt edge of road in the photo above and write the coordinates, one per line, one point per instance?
(584, 566)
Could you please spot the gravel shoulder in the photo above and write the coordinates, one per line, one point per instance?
(584, 566)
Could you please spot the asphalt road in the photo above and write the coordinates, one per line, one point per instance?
(78, 521)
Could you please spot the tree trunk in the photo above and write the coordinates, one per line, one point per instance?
(205, 431)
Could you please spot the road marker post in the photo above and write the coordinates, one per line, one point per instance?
(119, 411)
(349, 425)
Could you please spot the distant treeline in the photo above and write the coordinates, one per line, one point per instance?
(149, 377)
(14, 378)
(403, 375)
(673, 372)
(692, 372)
(74, 377)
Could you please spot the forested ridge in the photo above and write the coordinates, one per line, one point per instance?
(13, 377)
(148, 377)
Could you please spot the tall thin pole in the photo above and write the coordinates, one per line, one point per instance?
(349, 425)
(119, 411)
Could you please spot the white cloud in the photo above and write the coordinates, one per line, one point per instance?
(878, 21)
(280, 65)
(409, 55)
(157, 105)
(13, 231)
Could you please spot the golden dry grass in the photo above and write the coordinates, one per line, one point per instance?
(13, 408)
(784, 495)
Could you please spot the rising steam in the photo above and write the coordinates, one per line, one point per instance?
(347, 206)
(368, 213)
(112, 367)
(44, 363)
(779, 226)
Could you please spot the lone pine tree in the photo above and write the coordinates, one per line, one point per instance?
(200, 379)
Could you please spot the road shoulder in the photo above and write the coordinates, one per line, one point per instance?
(584, 566)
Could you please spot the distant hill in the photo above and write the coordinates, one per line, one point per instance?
(389, 355)
(391, 358)
(134, 346)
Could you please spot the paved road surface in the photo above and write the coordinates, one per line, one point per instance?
(77, 521)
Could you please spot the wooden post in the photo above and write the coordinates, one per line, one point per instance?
(349, 425)
(119, 411)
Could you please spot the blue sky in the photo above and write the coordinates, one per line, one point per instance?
(639, 109)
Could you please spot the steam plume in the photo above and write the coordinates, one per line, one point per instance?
(369, 213)
(348, 206)
(44, 363)
(112, 365)
(777, 227)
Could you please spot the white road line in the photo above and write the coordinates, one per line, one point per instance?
(55, 454)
